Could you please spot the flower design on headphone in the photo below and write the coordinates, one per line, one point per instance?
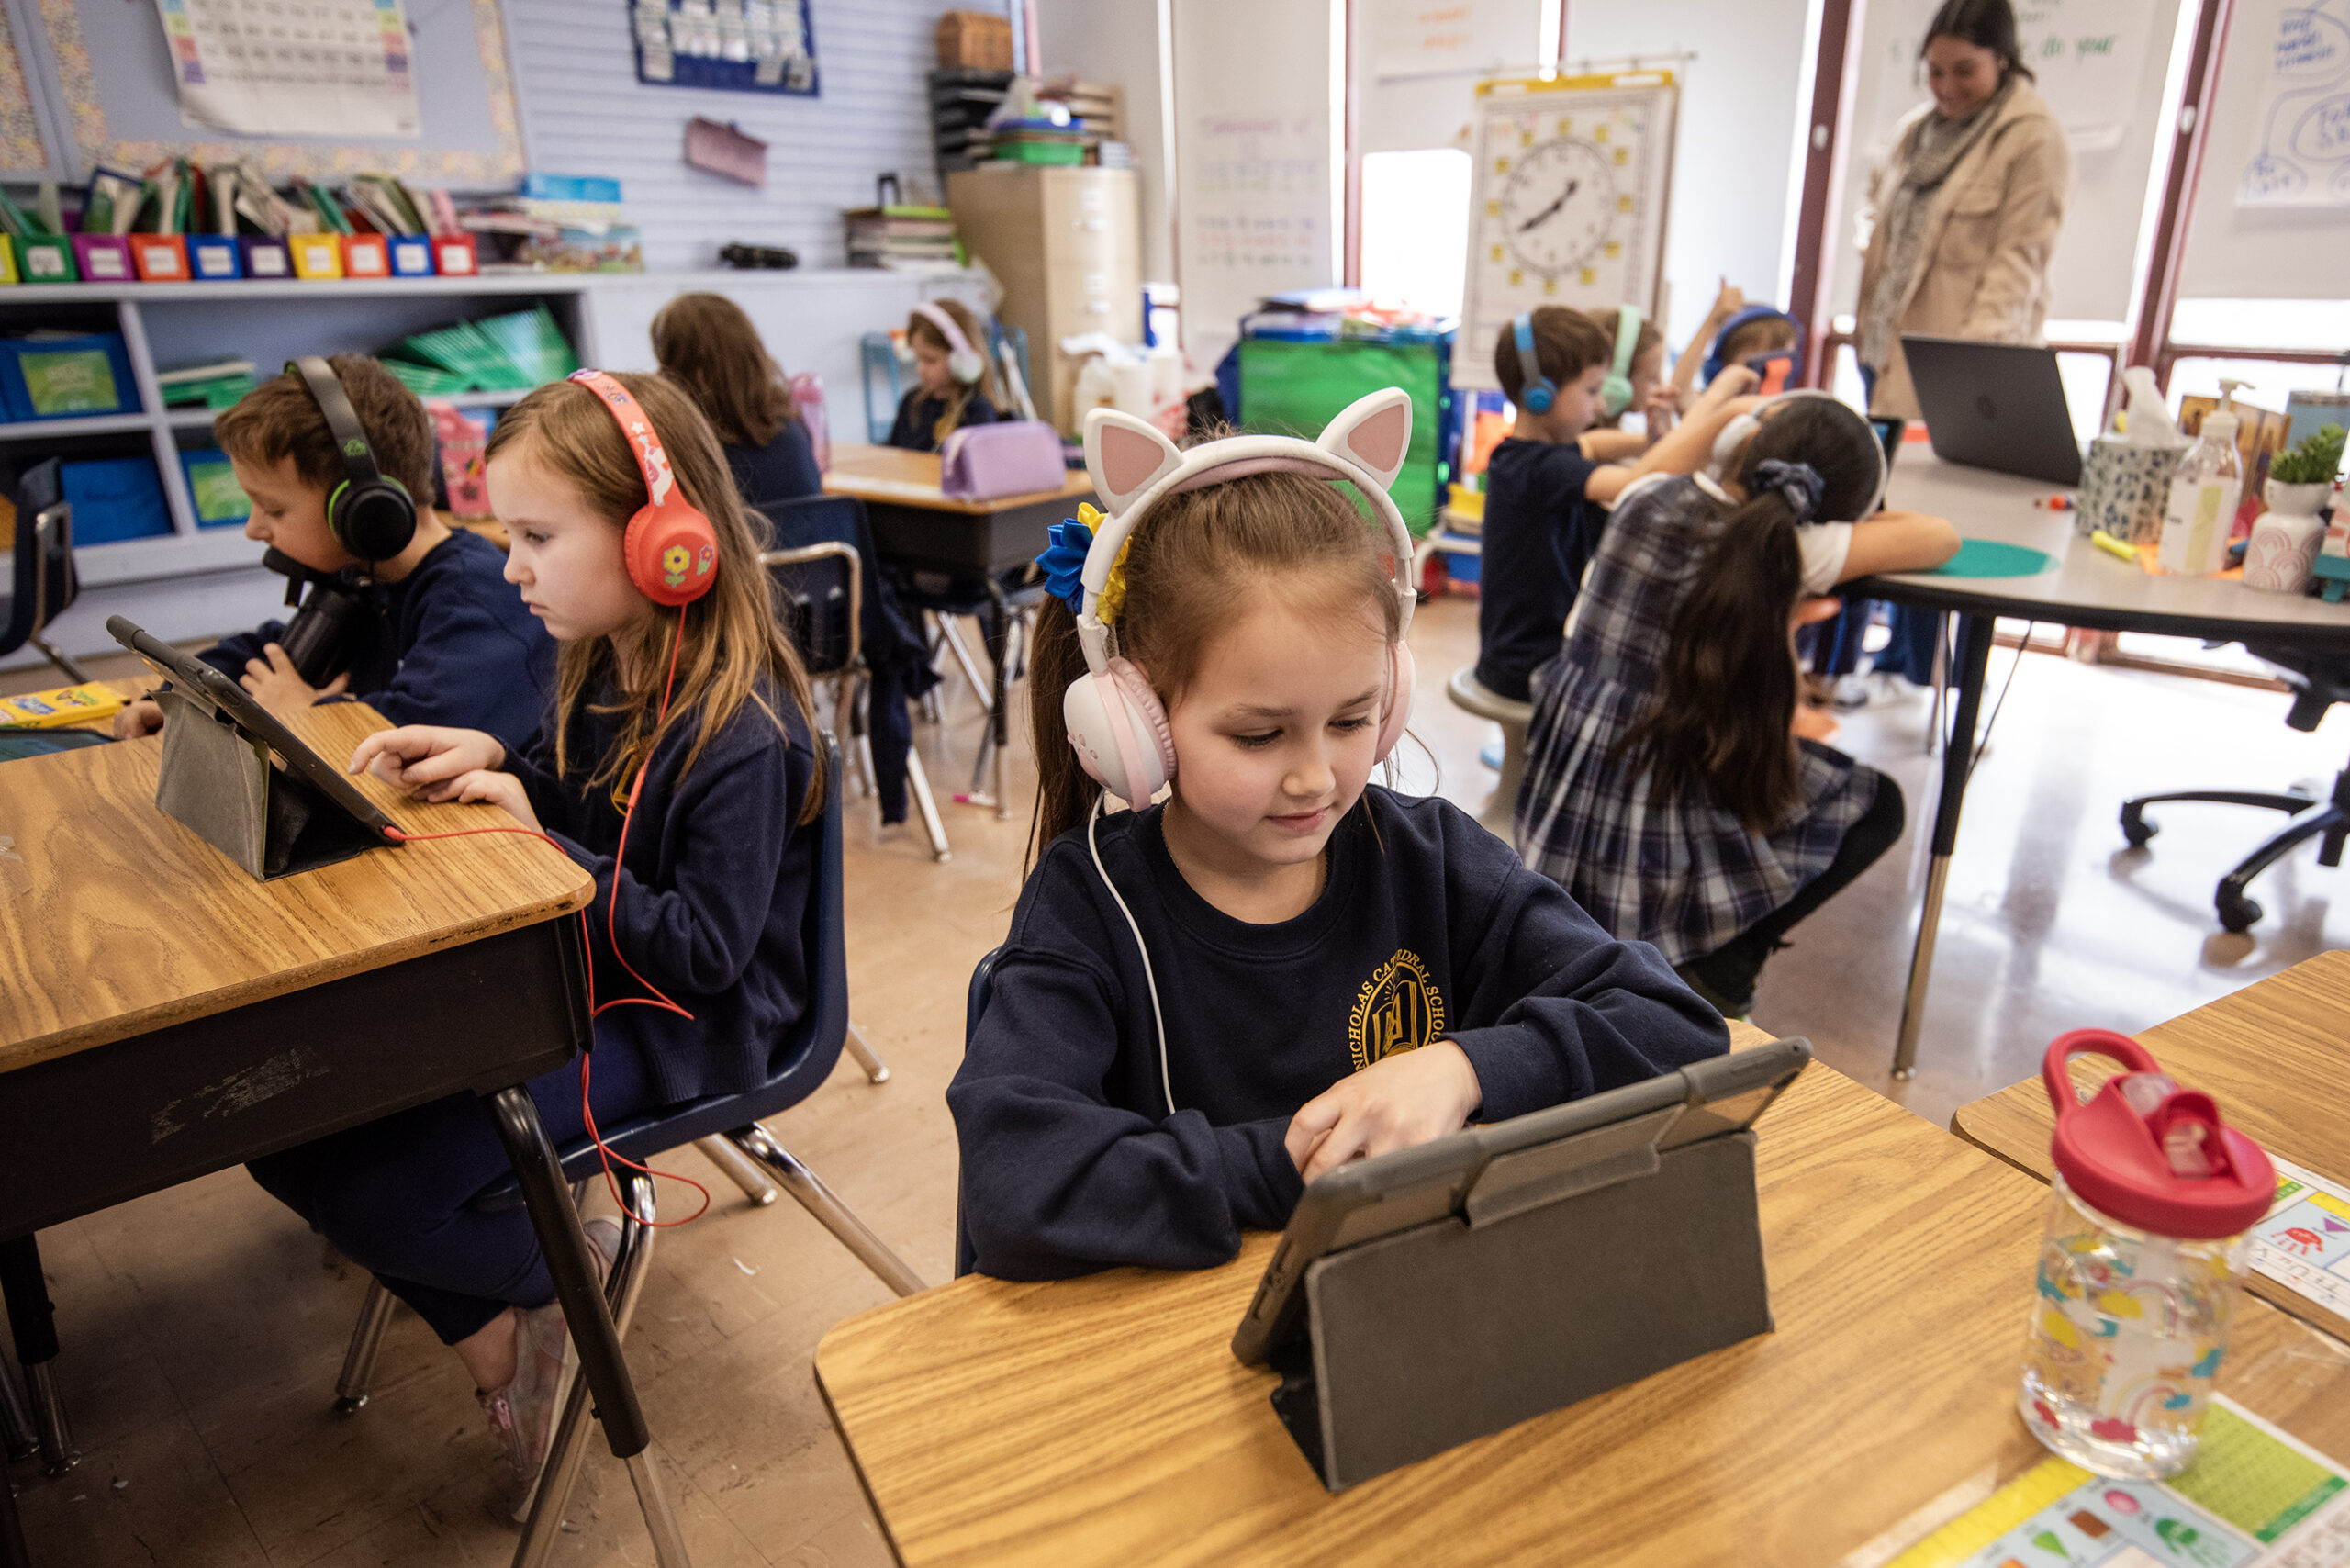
(674, 562)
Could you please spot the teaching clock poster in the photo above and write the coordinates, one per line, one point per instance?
(1573, 178)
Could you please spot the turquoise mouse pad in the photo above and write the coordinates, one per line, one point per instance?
(1989, 558)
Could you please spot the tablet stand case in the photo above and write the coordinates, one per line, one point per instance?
(1584, 1265)
(218, 778)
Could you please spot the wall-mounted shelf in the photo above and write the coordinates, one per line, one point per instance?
(89, 424)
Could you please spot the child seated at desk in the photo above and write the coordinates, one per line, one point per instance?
(1204, 1004)
(706, 344)
(954, 386)
(1545, 498)
(683, 722)
(448, 642)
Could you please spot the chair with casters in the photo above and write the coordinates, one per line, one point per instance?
(825, 589)
(2317, 681)
(726, 1128)
(974, 1003)
(42, 583)
(1469, 693)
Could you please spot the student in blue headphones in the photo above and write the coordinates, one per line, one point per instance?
(1546, 497)
(1205, 1002)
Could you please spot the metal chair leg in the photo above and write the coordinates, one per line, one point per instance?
(358, 1378)
(875, 1072)
(739, 1169)
(918, 781)
(58, 1453)
(567, 1444)
(961, 649)
(16, 1436)
(829, 1211)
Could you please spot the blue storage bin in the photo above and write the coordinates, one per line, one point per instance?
(411, 256)
(66, 377)
(116, 499)
(212, 486)
(215, 258)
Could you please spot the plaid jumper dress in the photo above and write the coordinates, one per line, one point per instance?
(1683, 873)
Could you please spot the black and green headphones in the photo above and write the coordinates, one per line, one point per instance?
(370, 514)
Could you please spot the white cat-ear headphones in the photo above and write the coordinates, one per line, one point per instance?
(1115, 722)
(1740, 431)
(963, 360)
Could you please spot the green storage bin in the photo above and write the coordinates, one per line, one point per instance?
(1293, 387)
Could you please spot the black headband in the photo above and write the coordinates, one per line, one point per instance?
(342, 419)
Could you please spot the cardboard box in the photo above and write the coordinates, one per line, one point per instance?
(975, 40)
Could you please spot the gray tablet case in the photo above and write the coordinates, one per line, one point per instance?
(1580, 1266)
(218, 780)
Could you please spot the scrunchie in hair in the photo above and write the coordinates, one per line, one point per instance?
(1797, 484)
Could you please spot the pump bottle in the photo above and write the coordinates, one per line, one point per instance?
(2203, 497)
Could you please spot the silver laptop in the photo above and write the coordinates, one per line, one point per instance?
(1995, 405)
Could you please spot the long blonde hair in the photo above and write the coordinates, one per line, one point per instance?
(958, 396)
(731, 637)
(707, 345)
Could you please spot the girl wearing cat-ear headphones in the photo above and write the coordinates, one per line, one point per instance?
(677, 768)
(1204, 1002)
(954, 386)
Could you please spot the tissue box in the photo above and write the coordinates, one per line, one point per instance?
(2124, 489)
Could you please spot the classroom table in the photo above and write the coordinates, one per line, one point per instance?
(1104, 1420)
(2276, 1056)
(166, 1017)
(2088, 588)
(919, 528)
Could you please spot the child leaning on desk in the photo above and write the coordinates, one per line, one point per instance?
(449, 642)
(1318, 969)
(722, 783)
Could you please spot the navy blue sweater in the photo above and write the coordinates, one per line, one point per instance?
(711, 902)
(452, 644)
(1426, 927)
(1538, 535)
(918, 418)
(782, 470)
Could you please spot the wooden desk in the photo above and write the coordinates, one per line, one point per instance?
(1104, 1420)
(165, 1016)
(2275, 1055)
(972, 543)
(2087, 587)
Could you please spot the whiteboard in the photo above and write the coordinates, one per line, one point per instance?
(2101, 65)
(1571, 178)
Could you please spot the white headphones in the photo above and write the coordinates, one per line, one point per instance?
(1740, 429)
(1115, 723)
(963, 360)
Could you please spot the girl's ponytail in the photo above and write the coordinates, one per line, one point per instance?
(1065, 792)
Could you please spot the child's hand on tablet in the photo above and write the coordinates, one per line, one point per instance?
(427, 760)
(1396, 1102)
(497, 789)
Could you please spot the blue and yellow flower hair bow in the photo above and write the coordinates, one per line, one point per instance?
(1063, 564)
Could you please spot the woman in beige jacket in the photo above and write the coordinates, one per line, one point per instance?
(1963, 215)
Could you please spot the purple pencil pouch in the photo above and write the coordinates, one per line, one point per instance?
(1015, 458)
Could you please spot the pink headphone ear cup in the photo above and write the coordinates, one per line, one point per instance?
(1401, 674)
(1143, 703)
(1103, 714)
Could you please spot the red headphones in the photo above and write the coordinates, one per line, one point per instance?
(670, 548)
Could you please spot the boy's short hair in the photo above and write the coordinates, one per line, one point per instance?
(279, 420)
(1610, 321)
(1566, 343)
(1761, 335)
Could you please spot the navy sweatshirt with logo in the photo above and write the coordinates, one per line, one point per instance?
(1426, 927)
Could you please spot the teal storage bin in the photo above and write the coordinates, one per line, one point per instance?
(66, 377)
(116, 499)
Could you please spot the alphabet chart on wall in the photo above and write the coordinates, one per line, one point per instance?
(1571, 185)
(327, 68)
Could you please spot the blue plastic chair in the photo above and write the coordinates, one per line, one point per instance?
(975, 1003)
(724, 1126)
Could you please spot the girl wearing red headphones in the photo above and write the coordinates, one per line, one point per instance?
(1266, 964)
(677, 767)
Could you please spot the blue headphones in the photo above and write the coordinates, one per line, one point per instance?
(1751, 313)
(1539, 393)
(1615, 392)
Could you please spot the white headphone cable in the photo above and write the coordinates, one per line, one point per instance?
(1159, 1020)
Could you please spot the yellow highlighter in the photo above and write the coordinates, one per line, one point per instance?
(2112, 546)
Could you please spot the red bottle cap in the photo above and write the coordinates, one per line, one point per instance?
(2114, 1157)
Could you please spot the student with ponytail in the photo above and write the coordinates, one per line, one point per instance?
(1662, 789)
(1206, 1001)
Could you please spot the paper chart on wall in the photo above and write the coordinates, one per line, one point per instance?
(2303, 152)
(324, 68)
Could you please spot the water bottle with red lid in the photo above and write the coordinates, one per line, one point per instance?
(2148, 1240)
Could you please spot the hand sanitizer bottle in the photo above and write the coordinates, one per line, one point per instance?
(2203, 497)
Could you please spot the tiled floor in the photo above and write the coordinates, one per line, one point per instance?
(204, 1326)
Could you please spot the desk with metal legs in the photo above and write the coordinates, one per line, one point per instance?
(166, 1017)
(2087, 589)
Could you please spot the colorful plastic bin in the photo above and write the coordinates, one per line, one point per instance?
(66, 378)
(266, 256)
(116, 499)
(317, 258)
(220, 502)
(454, 256)
(104, 258)
(411, 256)
(214, 258)
(366, 255)
(160, 258)
(47, 260)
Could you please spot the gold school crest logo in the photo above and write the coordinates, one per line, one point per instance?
(1398, 1009)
